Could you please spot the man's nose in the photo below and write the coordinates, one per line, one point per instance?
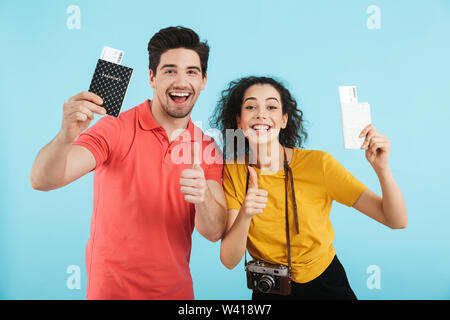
(180, 80)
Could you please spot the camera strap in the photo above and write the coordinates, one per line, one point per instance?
(287, 176)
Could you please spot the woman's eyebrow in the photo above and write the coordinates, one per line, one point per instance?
(250, 98)
(270, 98)
(273, 98)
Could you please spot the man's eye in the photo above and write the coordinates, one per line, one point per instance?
(192, 72)
(170, 71)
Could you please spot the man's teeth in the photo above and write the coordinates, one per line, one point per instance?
(180, 94)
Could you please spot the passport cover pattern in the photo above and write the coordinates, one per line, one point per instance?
(110, 82)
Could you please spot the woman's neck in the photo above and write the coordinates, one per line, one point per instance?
(268, 157)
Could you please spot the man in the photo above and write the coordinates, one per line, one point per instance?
(145, 204)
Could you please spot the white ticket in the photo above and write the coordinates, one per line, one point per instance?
(347, 94)
(112, 55)
(355, 117)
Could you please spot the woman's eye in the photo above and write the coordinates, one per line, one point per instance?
(249, 107)
(273, 107)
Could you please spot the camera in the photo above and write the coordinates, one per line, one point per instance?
(268, 278)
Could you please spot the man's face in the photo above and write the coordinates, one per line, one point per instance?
(178, 81)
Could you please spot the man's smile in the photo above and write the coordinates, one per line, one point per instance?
(180, 98)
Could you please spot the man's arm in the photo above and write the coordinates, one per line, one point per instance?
(208, 197)
(210, 215)
(209, 200)
(60, 162)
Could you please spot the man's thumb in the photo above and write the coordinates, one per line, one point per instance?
(253, 183)
(195, 155)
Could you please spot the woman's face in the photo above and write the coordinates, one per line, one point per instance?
(261, 114)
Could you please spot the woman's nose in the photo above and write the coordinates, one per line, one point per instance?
(260, 114)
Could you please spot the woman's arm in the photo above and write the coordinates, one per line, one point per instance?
(234, 242)
(389, 210)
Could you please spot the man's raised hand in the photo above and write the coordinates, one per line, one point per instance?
(78, 112)
(192, 181)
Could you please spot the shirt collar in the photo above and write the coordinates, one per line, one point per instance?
(148, 122)
(145, 115)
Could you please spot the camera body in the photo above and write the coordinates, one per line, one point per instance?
(268, 278)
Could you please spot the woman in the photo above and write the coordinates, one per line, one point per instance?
(271, 170)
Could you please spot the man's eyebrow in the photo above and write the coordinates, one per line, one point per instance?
(168, 66)
(195, 67)
(174, 66)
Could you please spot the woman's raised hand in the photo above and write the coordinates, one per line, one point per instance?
(256, 199)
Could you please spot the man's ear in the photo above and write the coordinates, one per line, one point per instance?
(204, 79)
(285, 120)
(152, 78)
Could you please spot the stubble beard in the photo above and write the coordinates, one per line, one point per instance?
(177, 112)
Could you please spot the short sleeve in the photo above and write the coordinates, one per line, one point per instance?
(214, 161)
(101, 139)
(341, 185)
(230, 188)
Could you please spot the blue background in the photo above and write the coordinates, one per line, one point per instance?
(402, 70)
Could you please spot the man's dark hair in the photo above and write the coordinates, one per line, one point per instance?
(174, 38)
(230, 103)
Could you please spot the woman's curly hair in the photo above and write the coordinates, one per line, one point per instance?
(230, 103)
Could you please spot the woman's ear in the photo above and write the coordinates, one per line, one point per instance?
(238, 121)
(285, 120)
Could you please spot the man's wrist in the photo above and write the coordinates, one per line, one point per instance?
(209, 198)
(61, 141)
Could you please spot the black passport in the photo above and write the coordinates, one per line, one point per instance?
(110, 82)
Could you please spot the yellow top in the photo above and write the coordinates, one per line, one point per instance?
(318, 180)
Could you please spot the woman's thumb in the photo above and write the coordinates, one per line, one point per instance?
(253, 183)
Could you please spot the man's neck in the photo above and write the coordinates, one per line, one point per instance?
(173, 126)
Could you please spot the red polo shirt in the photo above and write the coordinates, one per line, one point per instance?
(141, 227)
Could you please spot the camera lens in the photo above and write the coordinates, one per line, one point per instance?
(266, 283)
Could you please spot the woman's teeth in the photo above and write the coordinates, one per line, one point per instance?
(261, 127)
